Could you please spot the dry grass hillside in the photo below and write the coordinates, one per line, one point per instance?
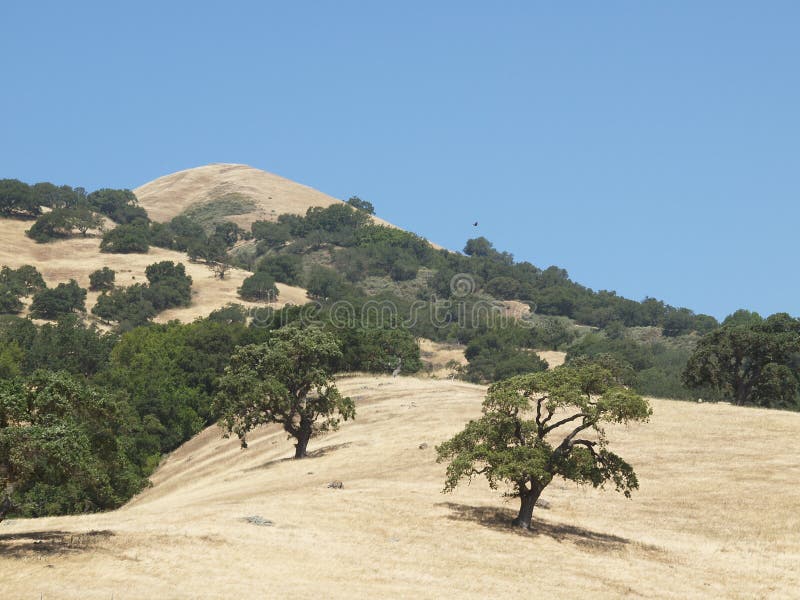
(262, 195)
(236, 193)
(76, 258)
(717, 516)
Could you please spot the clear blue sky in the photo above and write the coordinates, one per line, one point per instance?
(650, 148)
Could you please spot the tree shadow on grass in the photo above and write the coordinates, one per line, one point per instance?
(500, 519)
(18, 545)
(319, 452)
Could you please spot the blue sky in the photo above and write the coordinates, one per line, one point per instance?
(650, 148)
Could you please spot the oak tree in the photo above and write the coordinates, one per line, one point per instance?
(287, 380)
(544, 425)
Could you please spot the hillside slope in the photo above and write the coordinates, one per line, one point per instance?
(62, 260)
(704, 523)
(261, 195)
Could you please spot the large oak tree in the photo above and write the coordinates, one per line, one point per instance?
(287, 380)
(544, 425)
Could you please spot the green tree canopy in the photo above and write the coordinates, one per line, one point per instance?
(64, 299)
(58, 447)
(102, 280)
(287, 380)
(544, 425)
(751, 361)
(126, 239)
(360, 204)
(17, 199)
(259, 287)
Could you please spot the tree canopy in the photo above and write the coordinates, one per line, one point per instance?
(544, 425)
(751, 361)
(287, 380)
(63, 299)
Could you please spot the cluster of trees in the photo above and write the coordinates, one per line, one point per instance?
(86, 416)
(358, 249)
(64, 299)
(16, 284)
(185, 235)
(62, 222)
(752, 361)
(47, 303)
(70, 208)
(168, 286)
(259, 287)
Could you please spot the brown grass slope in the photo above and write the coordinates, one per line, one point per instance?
(171, 195)
(717, 515)
(76, 258)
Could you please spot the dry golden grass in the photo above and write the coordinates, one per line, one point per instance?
(436, 356)
(717, 516)
(76, 258)
(171, 195)
(553, 358)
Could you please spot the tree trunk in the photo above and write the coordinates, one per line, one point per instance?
(303, 436)
(5, 508)
(527, 503)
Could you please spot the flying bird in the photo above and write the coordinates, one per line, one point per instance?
(475, 224)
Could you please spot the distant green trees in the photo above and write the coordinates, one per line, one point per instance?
(751, 361)
(126, 239)
(17, 200)
(270, 235)
(60, 223)
(128, 306)
(362, 205)
(63, 299)
(20, 200)
(495, 355)
(102, 280)
(16, 284)
(324, 283)
(168, 287)
(287, 380)
(285, 268)
(259, 287)
(545, 425)
(121, 206)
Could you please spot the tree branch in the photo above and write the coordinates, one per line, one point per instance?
(564, 421)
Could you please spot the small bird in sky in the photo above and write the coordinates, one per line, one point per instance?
(475, 224)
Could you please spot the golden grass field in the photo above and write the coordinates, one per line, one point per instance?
(77, 257)
(717, 515)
